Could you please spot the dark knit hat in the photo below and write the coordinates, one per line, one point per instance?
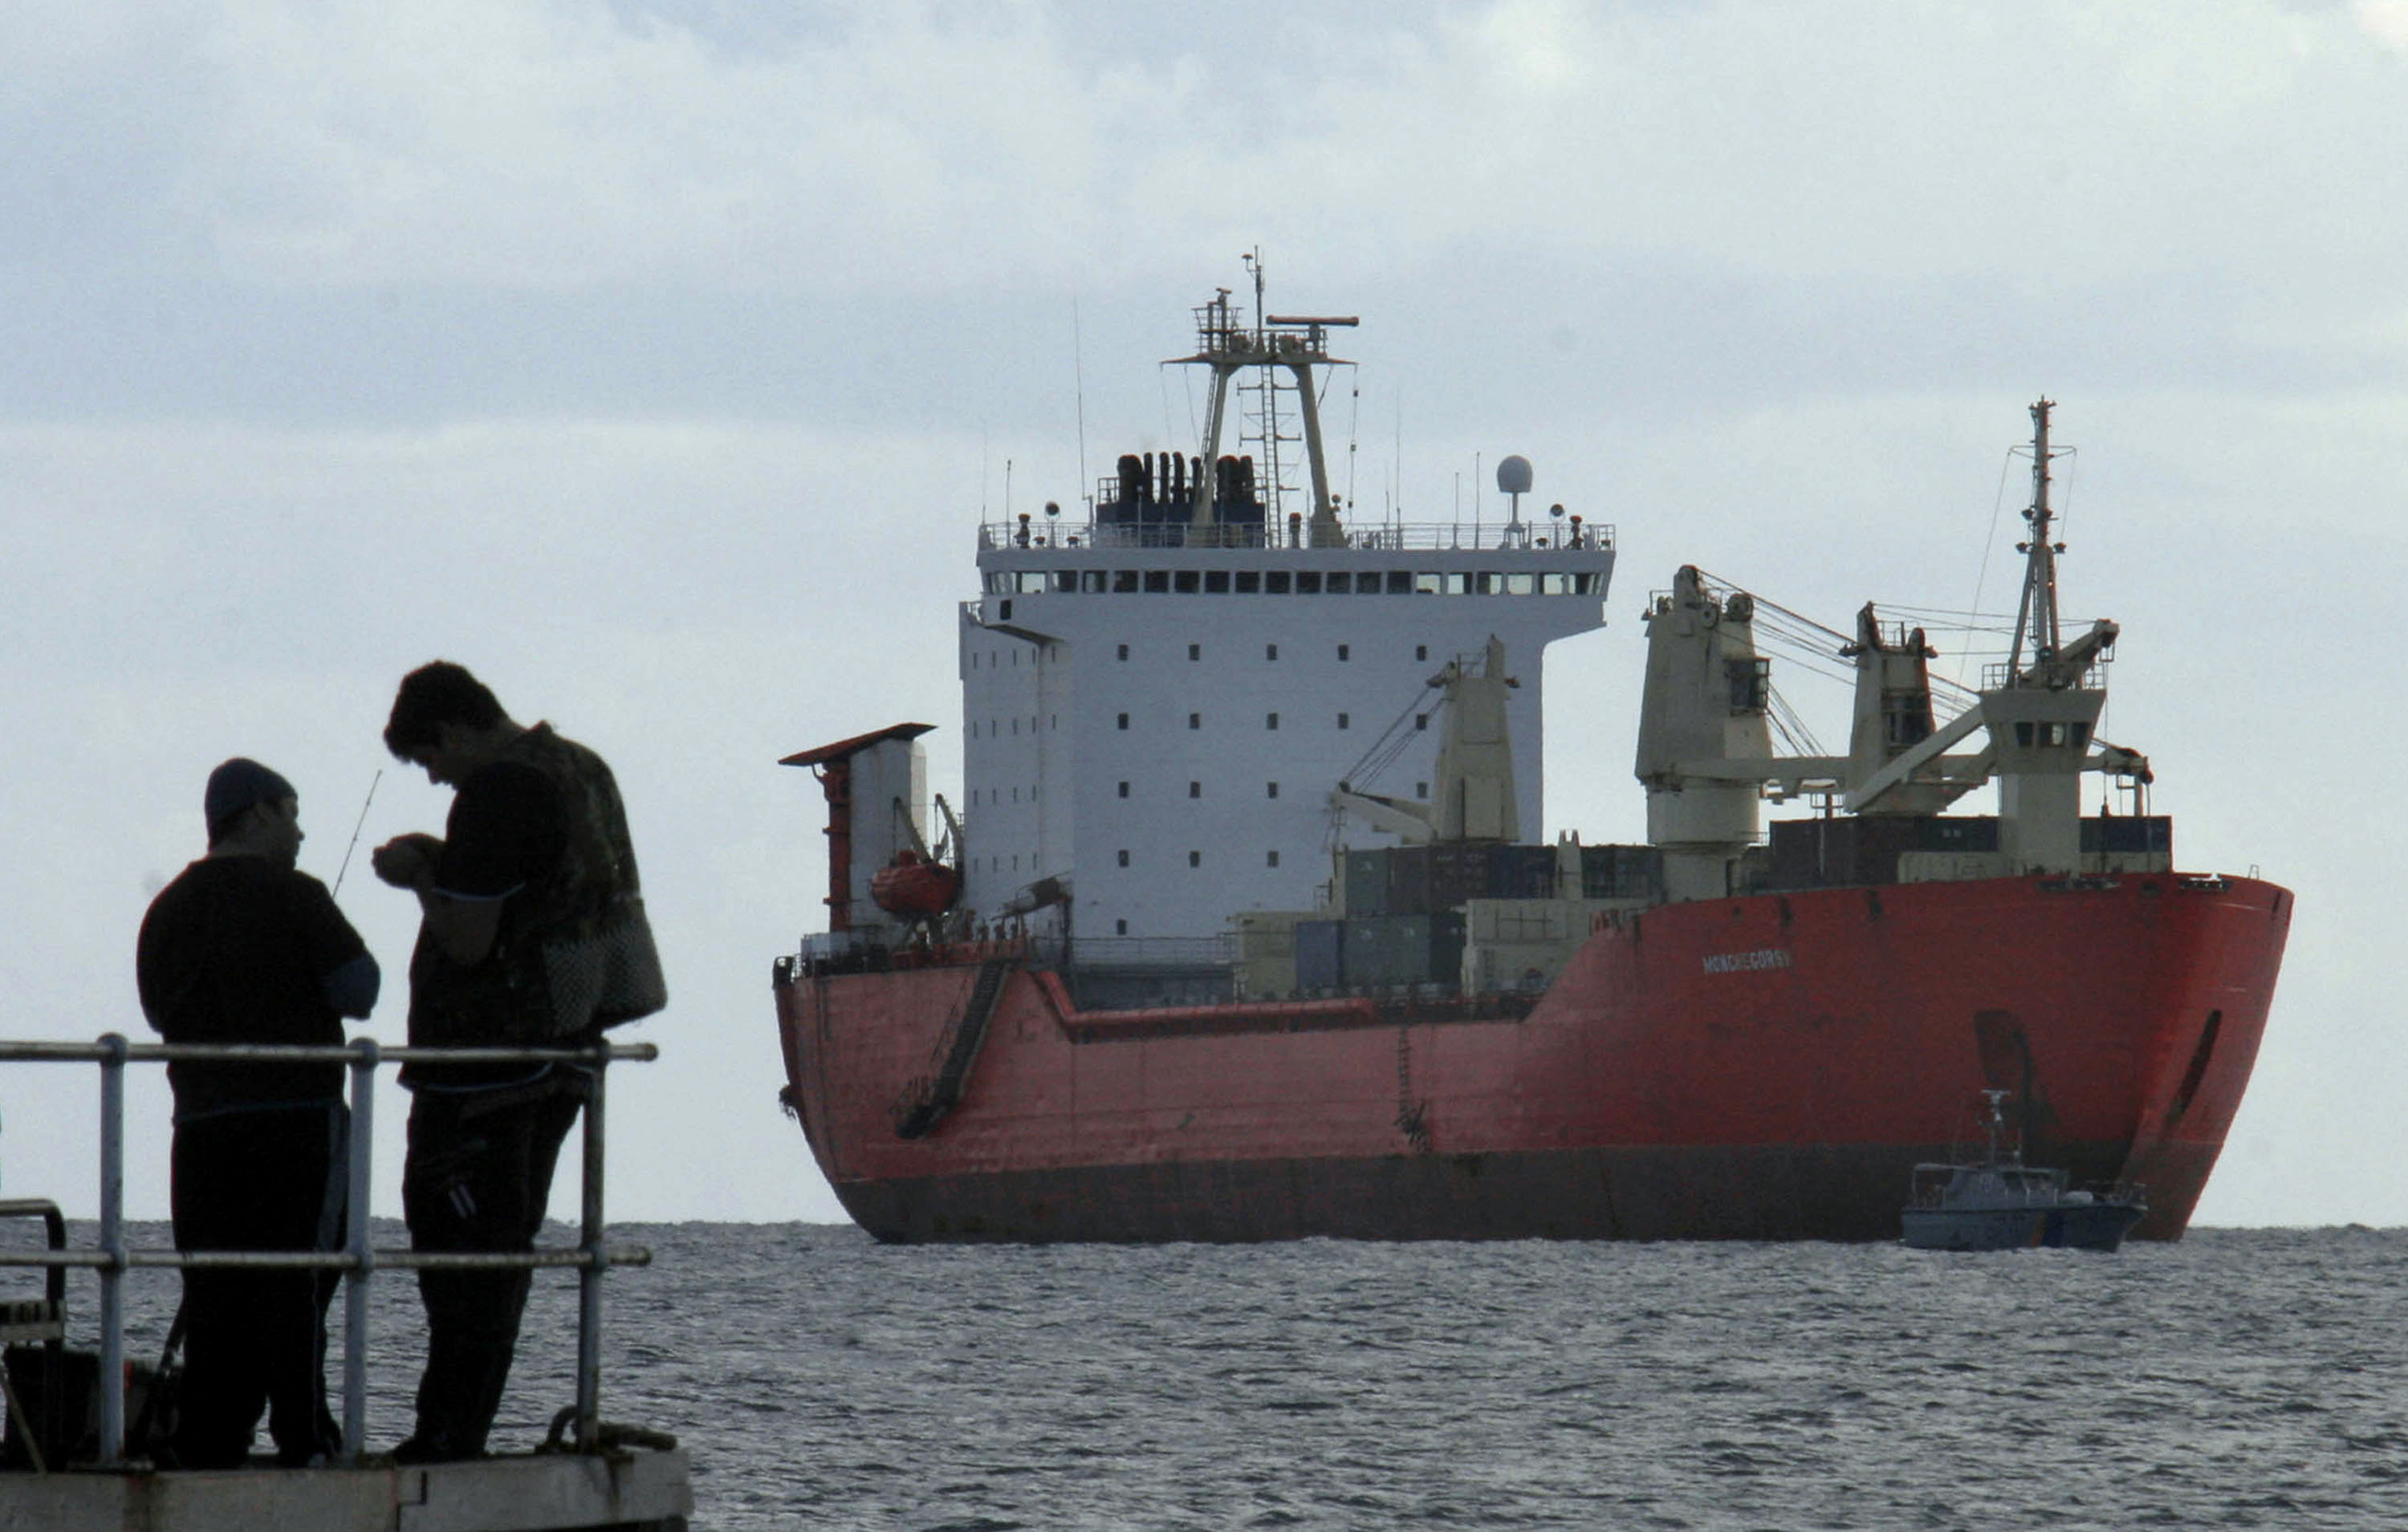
(237, 786)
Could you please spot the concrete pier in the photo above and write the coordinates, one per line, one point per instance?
(553, 1492)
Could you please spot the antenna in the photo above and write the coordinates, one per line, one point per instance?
(1078, 375)
(2036, 614)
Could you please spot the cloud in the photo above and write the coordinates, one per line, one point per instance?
(913, 147)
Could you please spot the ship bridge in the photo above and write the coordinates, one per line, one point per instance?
(1155, 710)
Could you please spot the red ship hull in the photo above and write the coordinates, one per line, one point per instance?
(1764, 1067)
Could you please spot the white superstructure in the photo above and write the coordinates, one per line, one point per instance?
(1159, 702)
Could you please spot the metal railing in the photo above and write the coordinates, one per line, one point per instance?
(111, 1259)
(1466, 536)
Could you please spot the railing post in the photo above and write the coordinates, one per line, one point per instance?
(589, 1276)
(355, 1245)
(112, 1244)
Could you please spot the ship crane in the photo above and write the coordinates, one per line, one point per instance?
(1475, 798)
(1706, 757)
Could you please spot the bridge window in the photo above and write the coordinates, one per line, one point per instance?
(1216, 582)
(1093, 581)
(1401, 582)
(1250, 582)
(1125, 583)
(1429, 584)
(1066, 581)
(1338, 583)
(1157, 582)
(1307, 582)
(1186, 582)
(1275, 582)
(1521, 584)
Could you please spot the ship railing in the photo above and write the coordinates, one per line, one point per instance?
(2000, 675)
(1475, 536)
(112, 1258)
(1153, 952)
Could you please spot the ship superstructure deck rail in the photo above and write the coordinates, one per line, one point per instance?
(112, 1258)
(1459, 537)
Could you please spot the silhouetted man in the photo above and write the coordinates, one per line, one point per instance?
(534, 861)
(241, 948)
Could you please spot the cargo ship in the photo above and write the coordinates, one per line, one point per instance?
(1237, 934)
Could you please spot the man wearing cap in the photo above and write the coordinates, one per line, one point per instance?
(243, 947)
(535, 854)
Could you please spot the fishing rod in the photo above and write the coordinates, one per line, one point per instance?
(356, 827)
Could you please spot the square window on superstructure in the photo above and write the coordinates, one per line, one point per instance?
(1125, 583)
(1554, 585)
(1430, 584)
(1186, 582)
(1338, 582)
(1521, 584)
(1275, 582)
(1307, 582)
(1401, 582)
(1250, 582)
(1032, 582)
(1066, 581)
(1458, 584)
(1094, 582)
(1586, 584)
(1157, 582)
(1216, 582)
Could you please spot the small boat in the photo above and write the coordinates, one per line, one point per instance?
(2004, 1204)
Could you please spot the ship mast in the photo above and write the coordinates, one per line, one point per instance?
(1298, 343)
(2037, 613)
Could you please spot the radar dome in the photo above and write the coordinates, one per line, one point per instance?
(1514, 475)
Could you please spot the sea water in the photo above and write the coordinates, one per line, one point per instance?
(819, 1380)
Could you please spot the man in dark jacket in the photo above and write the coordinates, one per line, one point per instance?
(534, 858)
(241, 948)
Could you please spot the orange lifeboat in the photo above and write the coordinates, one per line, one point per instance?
(914, 888)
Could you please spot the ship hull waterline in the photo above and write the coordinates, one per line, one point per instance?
(1767, 1067)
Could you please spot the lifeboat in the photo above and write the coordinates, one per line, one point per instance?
(914, 888)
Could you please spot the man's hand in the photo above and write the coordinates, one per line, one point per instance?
(407, 861)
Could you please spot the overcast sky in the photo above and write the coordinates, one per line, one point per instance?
(656, 359)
